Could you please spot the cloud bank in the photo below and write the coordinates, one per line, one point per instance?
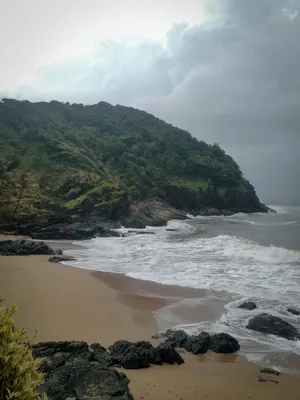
(233, 79)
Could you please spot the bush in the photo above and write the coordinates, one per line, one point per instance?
(19, 375)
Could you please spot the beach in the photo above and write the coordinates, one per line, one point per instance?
(59, 302)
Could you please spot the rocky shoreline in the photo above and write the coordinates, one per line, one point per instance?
(79, 225)
(75, 370)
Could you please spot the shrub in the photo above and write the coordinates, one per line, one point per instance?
(19, 375)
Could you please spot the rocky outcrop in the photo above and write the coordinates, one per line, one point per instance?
(266, 323)
(223, 343)
(200, 344)
(248, 305)
(77, 371)
(293, 311)
(24, 248)
(84, 381)
(68, 226)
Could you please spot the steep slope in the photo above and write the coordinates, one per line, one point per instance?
(60, 156)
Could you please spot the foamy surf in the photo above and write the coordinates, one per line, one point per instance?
(220, 255)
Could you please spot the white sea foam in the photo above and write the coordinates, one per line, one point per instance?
(191, 257)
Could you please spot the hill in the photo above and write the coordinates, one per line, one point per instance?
(60, 157)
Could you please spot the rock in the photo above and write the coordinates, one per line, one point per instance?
(86, 381)
(266, 323)
(172, 230)
(269, 371)
(293, 311)
(223, 343)
(134, 355)
(57, 354)
(101, 355)
(133, 223)
(169, 354)
(58, 259)
(24, 248)
(197, 344)
(176, 337)
(248, 305)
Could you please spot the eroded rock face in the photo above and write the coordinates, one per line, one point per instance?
(134, 355)
(223, 343)
(248, 305)
(266, 323)
(86, 381)
(24, 248)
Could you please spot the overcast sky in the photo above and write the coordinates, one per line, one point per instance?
(228, 71)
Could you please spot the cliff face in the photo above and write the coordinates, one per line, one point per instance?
(100, 159)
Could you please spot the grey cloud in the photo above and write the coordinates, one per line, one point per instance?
(234, 79)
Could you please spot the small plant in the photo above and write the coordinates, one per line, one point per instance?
(19, 374)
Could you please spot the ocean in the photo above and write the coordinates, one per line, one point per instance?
(232, 259)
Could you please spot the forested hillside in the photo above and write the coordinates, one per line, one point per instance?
(61, 156)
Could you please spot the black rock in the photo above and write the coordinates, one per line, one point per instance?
(133, 223)
(101, 355)
(58, 259)
(176, 337)
(270, 371)
(270, 324)
(223, 343)
(293, 311)
(86, 381)
(131, 232)
(24, 248)
(134, 355)
(169, 354)
(57, 354)
(197, 344)
(248, 305)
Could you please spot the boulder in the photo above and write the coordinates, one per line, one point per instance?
(269, 371)
(169, 354)
(86, 381)
(24, 248)
(266, 323)
(134, 355)
(100, 355)
(197, 344)
(135, 223)
(248, 305)
(293, 311)
(176, 337)
(223, 343)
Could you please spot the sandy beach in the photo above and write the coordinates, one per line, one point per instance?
(58, 302)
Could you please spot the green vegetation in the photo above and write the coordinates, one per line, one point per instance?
(19, 375)
(57, 156)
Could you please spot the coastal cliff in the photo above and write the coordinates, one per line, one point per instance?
(66, 162)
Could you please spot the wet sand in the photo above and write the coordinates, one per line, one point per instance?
(58, 302)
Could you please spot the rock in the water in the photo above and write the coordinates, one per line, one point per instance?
(133, 223)
(197, 344)
(58, 259)
(86, 381)
(248, 305)
(134, 355)
(223, 343)
(169, 354)
(270, 371)
(293, 311)
(24, 248)
(270, 324)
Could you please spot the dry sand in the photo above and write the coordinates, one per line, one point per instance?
(64, 303)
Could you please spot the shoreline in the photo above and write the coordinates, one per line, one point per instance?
(61, 302)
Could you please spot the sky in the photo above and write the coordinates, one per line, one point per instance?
(228, 71)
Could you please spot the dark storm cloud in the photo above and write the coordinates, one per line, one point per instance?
(234, 79)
